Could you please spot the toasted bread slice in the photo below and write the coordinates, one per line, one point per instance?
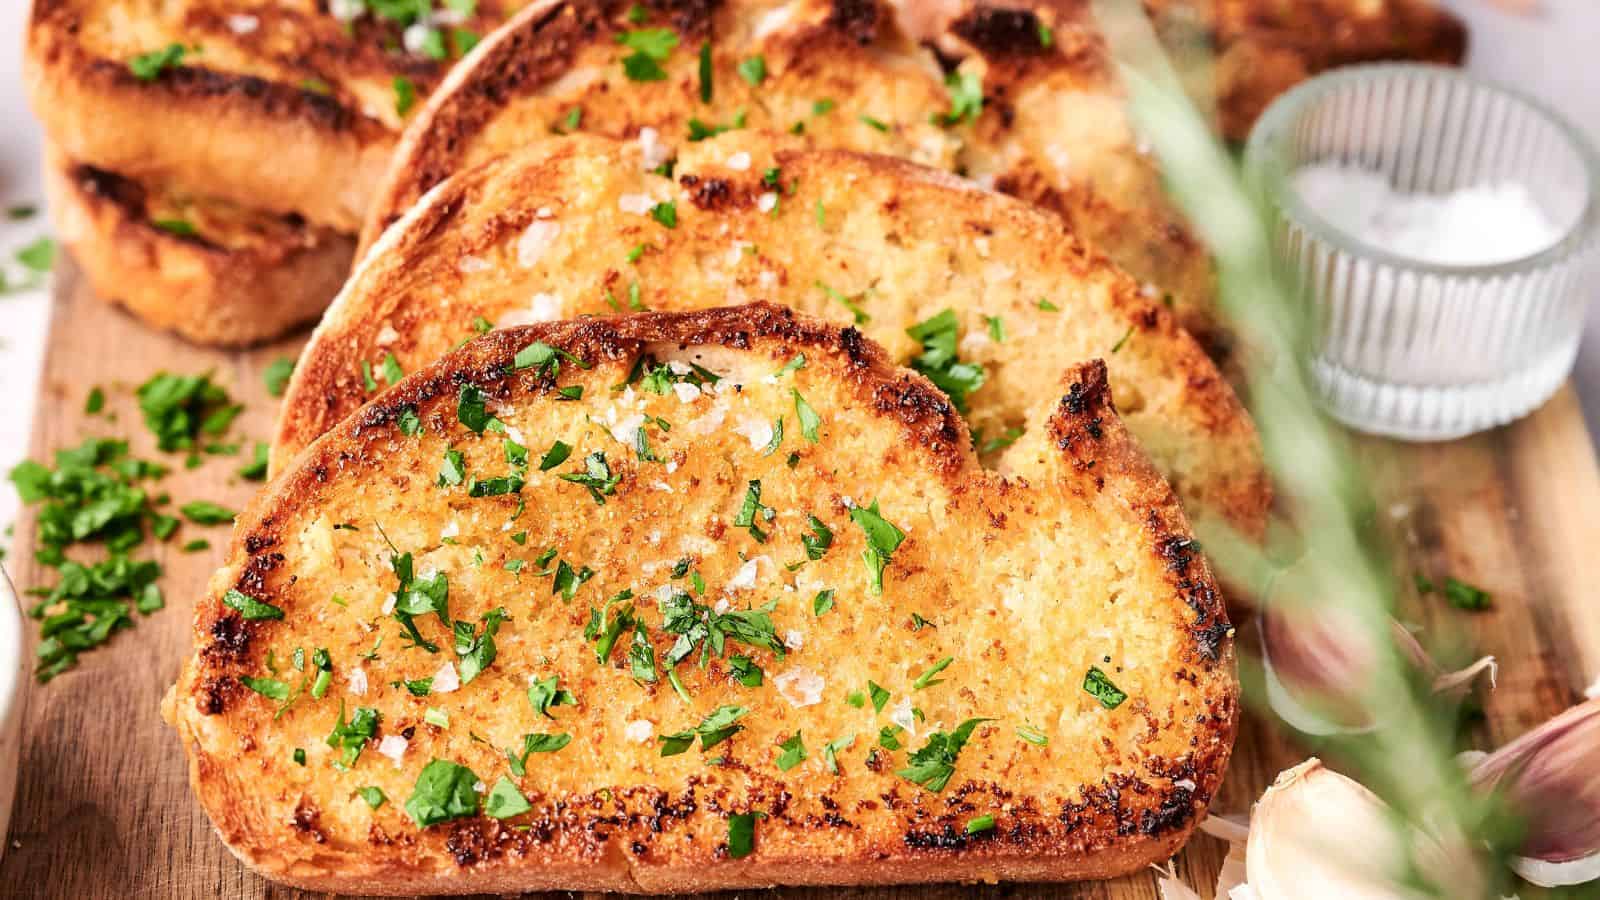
(1238, 55)
(563, 229)
(888, 589)
(279, 106)
(1052, 127)
(213, 272)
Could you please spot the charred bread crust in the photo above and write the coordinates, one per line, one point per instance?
(270, 120)
(453, 258)
(665, 833)
(248, 283)
(1053, 129)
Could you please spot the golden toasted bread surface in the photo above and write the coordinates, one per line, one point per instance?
(283, 106)
(579, 227)
(1037, 113)
(207, 269)
(753, 612)
(1263, 48)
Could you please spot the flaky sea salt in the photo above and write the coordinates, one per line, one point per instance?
(1477, 225)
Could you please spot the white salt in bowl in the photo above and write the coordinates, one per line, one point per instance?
(1425, 350)
(13, 685)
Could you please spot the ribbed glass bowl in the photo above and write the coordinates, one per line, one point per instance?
(1406, 348)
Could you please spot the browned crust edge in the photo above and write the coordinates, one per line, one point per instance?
(237, 137)
(211, 295)
(1097, 455)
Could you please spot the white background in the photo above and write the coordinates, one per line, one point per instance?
(1553, 52)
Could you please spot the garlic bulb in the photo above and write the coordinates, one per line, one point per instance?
(1549, 776)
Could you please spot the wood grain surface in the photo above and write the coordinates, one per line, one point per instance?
(104, 809)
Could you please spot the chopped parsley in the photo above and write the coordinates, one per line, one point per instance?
(178, 409)
(444, 791)
(929, 678)
(249, 607)
(1097, 685)
(477, 651)
(832, 749)
(505, 801)
(980, 824)
(742, 834)
(933, 765)
(453, 470)
(794, 753)
(754, 70)
(744, 670)
(405, 95)
(1047, 306)
(938, 361)
(545, 694)
(204, 512)
(819, 540)
(822, 602)
(878, 124)
(471, 410)
(256, 469)
(373, 796)
(752, 513)
(1033, 735)
(810, 422)
(883, 538)
(706, 87)
(555, 456)
(715, 728)
(1462, 595)
(536, 742)
(350, 737)
(1122, 340)
(856, 312)
(150, 66)
(966, 99)
(666, 213)
(651, 47)
(880, 697)
(596, 477)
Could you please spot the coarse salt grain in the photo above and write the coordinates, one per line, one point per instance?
(739, 162)
(358, 681)
(243, 24)
(638, 204)
(446, 680)
(745, 578)
(653, 153)
(393, 746)
(767, 202)
(535, 241)
(387, 335)
(638, 731)
(800, 686)
(757, 431)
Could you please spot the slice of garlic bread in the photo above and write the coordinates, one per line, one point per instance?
(686, 601)
(290, 107)
(989, 295)
(1038, 113)
(211, 271)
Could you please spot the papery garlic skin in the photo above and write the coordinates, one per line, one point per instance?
(1552, 775)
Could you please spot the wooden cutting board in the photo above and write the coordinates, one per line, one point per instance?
(103, 803)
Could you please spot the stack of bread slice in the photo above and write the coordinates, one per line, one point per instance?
(211, 162)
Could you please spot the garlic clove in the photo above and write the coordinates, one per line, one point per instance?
(1317, 835)
(1314, 662)
(1549, 774)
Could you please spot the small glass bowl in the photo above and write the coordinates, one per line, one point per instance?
(1411, 349)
